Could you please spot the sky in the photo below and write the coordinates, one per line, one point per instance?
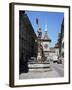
(53, 21)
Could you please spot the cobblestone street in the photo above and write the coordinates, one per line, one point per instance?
(56, 70)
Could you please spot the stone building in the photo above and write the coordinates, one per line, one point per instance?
(61, 40)
(27, 44)
(46, 43)
(54, 53)
(60, 43)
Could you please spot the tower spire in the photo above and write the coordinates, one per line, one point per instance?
(46, 32)
(46, 28)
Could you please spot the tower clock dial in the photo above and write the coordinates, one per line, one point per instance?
(46, 46)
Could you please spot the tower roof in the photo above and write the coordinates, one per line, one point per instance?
(46, 38)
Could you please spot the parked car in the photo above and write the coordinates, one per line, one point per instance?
(60, 60)
(55, 59)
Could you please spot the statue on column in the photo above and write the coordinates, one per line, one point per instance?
(39, 33)
(40, 48)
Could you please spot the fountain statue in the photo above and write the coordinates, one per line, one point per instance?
(40, 48)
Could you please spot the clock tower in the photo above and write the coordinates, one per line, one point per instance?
(46, 43)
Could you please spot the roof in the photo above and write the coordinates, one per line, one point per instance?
(46, 40)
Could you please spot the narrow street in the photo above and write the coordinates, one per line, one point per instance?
(56, 70)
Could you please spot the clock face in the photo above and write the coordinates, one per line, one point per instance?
(46, 46)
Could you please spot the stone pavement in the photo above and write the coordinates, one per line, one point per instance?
(56, 70)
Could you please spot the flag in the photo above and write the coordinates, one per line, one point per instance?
(36, 20)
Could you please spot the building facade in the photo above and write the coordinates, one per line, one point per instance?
(62, 39)
(27, 44)
(46, 44)
(60, 42)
